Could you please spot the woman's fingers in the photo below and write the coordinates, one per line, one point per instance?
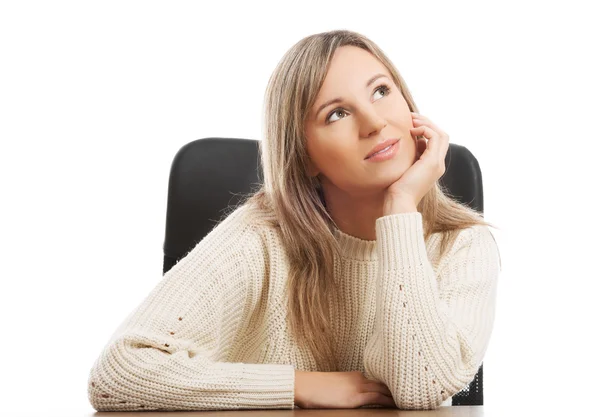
(422, 121)
(376, 398)
(437, 144)
(388, 401)
(430, 145)
(377, 387)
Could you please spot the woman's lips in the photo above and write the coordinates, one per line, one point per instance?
(384, 155)
(387, 143)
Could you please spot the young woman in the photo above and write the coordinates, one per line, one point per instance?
(348, 279)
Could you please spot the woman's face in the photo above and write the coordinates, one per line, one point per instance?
(340, 135)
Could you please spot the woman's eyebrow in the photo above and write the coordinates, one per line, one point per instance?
(339, 99)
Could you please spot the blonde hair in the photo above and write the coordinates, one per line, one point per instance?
(292, 201)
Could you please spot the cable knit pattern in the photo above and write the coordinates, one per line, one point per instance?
(212, 334)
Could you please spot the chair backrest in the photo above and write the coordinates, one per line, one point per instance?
(209, 175)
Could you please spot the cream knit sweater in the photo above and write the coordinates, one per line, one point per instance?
(211, 335)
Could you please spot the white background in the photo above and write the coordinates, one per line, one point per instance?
(96, 98)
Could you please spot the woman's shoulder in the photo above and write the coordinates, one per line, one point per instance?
(263, 240)
(472, 233)
(226, 241)
(464, 235)
(247, 228)
(234, 254)
(472, 242)
(258, 247)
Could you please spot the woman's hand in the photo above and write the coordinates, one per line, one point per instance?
(339, 390)
(429, 166)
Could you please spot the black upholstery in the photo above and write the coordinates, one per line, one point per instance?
(208, 175)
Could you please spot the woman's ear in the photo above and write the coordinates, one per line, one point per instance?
(311, 169)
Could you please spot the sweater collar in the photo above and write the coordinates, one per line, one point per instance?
(353, 247)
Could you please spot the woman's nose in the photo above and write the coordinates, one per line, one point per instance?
(371, 122)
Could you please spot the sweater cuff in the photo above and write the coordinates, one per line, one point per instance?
(401, 240)
(267, 386)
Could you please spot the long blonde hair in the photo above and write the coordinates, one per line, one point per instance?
(292, 202)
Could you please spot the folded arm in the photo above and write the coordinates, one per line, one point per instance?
(432, 328)
(170, 353)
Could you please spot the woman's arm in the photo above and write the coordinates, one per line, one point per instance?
(432, 328)
(169, 354)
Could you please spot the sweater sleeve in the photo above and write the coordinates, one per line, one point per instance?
(170, 352)
(432, 328)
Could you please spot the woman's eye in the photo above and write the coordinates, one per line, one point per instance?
(382, 87)
(336, 111)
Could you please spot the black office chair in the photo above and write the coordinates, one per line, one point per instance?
(209, 175)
